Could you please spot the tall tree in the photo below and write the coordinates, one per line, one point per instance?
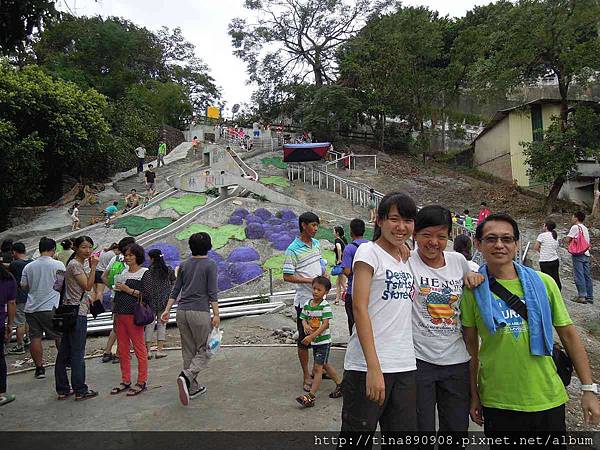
(295, 38)
(393, 63)
(535, 38)
(60, 129)
(107, 54)
(19, 19)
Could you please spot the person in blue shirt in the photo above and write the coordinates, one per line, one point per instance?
(110, 213)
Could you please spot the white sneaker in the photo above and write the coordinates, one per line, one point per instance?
(184, 393)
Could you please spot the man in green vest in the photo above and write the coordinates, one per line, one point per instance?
(162, 151)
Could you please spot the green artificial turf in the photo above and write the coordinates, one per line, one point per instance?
(276, 161)
(327, 233)
(185, 204)
(279, 181)
(219, 236)
(136, 225)
(275, 263)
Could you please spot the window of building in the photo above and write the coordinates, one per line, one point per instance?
(537, 125)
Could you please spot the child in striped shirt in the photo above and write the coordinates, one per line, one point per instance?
(315, 316)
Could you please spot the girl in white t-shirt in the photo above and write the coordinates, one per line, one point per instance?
(379, 378)
(76, 222)
(547, 245)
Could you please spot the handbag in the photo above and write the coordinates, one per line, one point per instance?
(65, 317)
(336, 270)
(578, 245)
(96, 308)
(562, 361)
(142, 313)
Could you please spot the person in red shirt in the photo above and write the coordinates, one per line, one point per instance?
(483, 212)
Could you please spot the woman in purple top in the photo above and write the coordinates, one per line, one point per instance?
(8, 300)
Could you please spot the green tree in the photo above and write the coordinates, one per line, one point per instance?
(184, 67)
(393, 63)
(59, 128)
(108, 55)
(308, 32)
(20, 19)
(168, 101)
(535, 38)
(556, 157)
(330, 108)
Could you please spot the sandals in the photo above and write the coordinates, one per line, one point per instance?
(5, 399)
(120, 388)
(65, 396)
(89, 394)
(306, 386)
(136, 390)
(308, 400)
(337, 392)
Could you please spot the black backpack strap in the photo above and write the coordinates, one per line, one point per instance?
(355, 244)
(513, 301)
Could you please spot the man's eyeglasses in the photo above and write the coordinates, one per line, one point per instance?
(491, 240)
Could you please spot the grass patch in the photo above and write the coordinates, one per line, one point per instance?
(184, 205)
(327, 233)
(219, 236)
(276, 161)
(276, 180)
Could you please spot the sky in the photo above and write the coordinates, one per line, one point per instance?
(204, 23)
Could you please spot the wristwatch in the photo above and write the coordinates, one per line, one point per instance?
(590, 387)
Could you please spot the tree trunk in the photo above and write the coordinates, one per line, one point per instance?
(563, 88)
(553, 195)
(382, 136)
(443, 118)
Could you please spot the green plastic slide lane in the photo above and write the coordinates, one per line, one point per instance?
(136, 225)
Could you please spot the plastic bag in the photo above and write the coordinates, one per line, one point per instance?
(214, 341)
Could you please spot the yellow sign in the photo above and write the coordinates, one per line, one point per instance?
(213, 112)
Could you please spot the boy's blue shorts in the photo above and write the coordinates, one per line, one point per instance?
(321, 353)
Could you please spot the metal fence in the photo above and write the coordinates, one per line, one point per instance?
(359, 194)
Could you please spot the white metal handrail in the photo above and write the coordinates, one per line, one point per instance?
(359, 194)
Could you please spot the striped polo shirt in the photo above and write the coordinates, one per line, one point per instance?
(315, 315)
(304, 261)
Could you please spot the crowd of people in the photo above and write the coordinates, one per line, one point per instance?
(429, 329)
(32, 292)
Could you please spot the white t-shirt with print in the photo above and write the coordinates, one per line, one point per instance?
(548, 246)
(390, 304)
(574, 231)
(473, 266)
(437, 332)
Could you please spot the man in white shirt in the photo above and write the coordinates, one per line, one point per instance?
(140, 152)
(581, 262)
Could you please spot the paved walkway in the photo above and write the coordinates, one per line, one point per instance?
(249, 389)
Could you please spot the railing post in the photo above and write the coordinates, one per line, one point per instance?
(304, 172)
(319, 180)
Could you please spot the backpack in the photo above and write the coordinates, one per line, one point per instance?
(71, 209)
(578, 244)
(116, 269)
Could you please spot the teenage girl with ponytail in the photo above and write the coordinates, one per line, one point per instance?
(547, 245)
(160, 280)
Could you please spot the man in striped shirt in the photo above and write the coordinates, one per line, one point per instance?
(303, 263)
(315, 317)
